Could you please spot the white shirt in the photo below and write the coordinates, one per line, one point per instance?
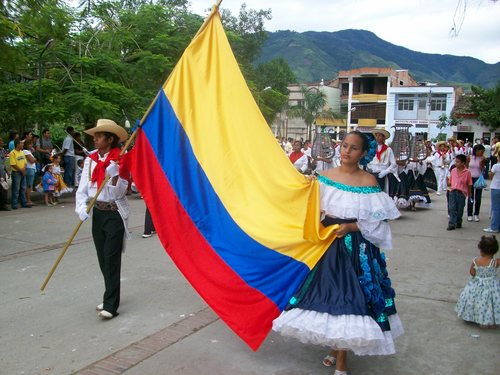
(387, 162)
(301, 163)
(495, 182)
(28, 164)
(115, 194)
(68, 145)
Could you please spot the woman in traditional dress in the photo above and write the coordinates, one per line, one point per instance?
(347, 302)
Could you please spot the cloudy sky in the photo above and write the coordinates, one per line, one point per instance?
(420, 25)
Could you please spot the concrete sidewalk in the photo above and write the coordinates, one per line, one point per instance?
(165, 328)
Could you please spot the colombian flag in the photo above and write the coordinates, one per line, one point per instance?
(235, 216)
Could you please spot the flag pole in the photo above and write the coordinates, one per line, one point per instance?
(127, 145)
(91, 204)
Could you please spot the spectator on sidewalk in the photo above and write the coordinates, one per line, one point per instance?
(17, 162)
(68, 152)
(495, 200)
(30, 169)
(44, 147)
(4, 187)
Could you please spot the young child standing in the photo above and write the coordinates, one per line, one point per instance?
(479, 302)
(49, 185)
(460, 186)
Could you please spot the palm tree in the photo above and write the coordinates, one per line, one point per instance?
(312, 107)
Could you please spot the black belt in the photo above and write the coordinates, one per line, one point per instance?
(106, 206)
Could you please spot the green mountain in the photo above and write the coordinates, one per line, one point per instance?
(315, 55)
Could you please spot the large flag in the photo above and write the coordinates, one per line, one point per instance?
(232, 212)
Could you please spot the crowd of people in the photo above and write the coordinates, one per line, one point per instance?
(347, 302)
(409, 181)
(34, 163)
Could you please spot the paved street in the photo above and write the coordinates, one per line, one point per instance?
(165, 328)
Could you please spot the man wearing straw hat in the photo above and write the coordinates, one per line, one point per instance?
(384, 162)
(111, 210)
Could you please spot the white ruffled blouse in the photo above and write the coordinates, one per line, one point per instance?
(367, 204)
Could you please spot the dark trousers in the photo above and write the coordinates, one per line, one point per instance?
(108, 231)
(456, 205)
(69, 171)
(149, 227)
(476, 205)
(18, 189)
(381, 182)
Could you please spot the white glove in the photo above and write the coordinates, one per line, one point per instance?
(112, 169)
(383, 174)
(83, 215)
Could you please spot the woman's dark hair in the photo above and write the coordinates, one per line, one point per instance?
(477, 148)
(488, 245)
(365, 146)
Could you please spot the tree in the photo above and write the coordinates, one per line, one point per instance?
(486, 105)
(445, 121)
(275, 73)
(108, 57)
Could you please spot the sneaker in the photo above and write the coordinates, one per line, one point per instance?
(100, 307)
(489, 230)
(105, 314)
(438, 193)
(147, 235)
(469, 218)
(476, 218)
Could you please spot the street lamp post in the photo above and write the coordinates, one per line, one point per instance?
(47, 45)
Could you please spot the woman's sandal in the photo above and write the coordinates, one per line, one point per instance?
(329, 361)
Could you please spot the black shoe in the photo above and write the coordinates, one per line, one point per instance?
(5, 208)
(459, 226)
(450, 227)
(14, 207)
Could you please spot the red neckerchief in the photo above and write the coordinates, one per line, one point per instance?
(296, 155)
(382, 149)
(440, 154)
(99, 171)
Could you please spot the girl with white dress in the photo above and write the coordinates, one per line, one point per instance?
(347, 302)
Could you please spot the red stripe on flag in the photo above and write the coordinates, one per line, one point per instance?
(248, 312)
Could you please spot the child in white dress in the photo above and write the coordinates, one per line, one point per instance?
(479, 301)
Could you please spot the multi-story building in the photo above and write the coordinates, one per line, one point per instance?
(421, 107)
(375, 97)
(364, 95)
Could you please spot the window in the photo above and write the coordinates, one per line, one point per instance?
(405, 104)
(438, 102)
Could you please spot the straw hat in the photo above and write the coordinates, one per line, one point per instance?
(108, 126)
(440, 143)
(381, 131)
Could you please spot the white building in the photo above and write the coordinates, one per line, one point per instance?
(421, 107)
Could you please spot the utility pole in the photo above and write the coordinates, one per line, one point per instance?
(47, 45)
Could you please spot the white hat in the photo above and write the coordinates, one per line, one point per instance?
(108, 126)
(381, 131)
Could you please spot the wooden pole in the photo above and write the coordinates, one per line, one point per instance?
(129, 141)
